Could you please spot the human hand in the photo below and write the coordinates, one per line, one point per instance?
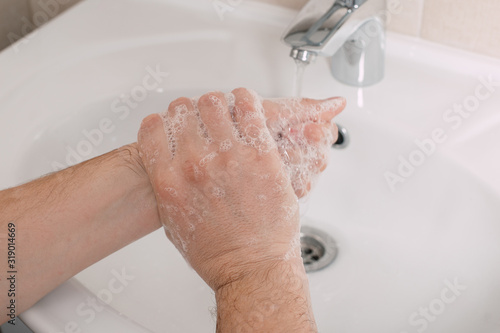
(224, 194)
(304, 132)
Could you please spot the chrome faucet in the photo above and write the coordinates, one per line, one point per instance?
(351, 32)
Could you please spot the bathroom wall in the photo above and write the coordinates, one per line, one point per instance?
(471, 25)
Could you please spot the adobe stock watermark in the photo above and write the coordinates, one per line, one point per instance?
(121, 107)
(48, 10)
(454, 118)
(422, 319)
(88, 310)
(225, 6)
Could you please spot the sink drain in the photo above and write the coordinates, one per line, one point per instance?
(318, 248)
(343, 138)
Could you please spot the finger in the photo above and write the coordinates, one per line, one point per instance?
(279, 115)
(334, 130)
(294, 111)
(214, 113)
(152, 141)
(309, 147)
(278, 119)
(192, 141)
(313, 133)
(317, 134)
(321, 164)
(157, 155)
(292, 154)
(185, 121)
(324, 110)
(191, 138)
(249, 117)
(301, 186)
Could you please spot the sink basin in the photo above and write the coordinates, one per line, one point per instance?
(413, 203)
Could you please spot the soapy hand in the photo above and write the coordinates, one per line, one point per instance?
(304, 132)
(227, 170)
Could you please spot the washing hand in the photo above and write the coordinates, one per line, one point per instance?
(227, 171)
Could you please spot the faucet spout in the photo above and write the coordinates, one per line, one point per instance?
(350, 31)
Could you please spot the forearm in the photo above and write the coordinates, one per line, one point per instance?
(71, 219)
(275, 299)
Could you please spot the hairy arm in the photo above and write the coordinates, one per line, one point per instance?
(271, 299)
(71, 219)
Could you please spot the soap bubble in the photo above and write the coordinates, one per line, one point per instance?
(299, 130)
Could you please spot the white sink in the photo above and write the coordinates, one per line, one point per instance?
(420, 256)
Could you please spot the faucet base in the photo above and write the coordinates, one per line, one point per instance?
(360, 61)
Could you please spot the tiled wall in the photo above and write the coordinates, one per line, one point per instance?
(472, 25)
(469, 24)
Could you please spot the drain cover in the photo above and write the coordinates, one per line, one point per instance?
(318, 248)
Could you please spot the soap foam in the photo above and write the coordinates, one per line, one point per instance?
(286, 122)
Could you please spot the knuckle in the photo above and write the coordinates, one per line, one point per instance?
(193, 172)
(149, 122)
(208, 99)
(167, 190)
(245, 104)
(182, 101)
(240, 90)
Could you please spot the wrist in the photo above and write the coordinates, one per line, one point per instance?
(128, 157)
(138, 189)
(275, 297)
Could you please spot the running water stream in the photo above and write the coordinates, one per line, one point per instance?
(298, 83)
(298, 78)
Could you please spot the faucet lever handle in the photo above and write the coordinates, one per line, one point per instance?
(320, 23)
(322, 30)
(351, 4)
